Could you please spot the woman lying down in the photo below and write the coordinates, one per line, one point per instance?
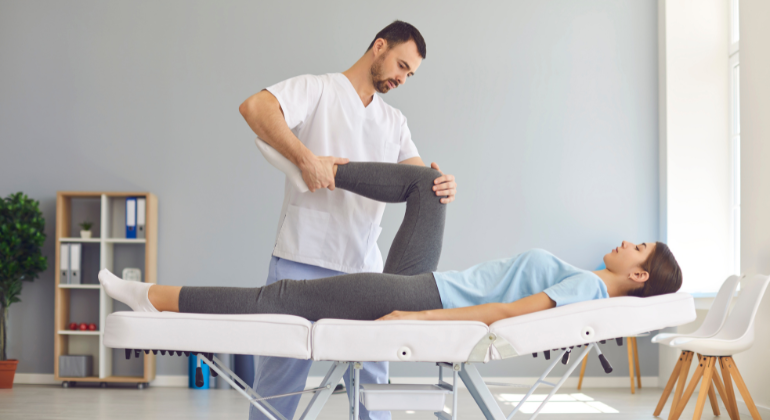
(409, 287)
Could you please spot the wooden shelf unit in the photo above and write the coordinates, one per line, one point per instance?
(109, 236)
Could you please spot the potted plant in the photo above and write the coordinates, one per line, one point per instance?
(21, 237)
(85, 231)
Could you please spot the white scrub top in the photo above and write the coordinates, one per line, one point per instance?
(337, 229)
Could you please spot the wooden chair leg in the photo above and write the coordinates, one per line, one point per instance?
(742, 388)
(630, 363)
(669, 385)
(713, 397)
(696, 377)
(729, 391)
(684, 370)
(582, 372)
(705, 387)
(723, 394)
(636, 365)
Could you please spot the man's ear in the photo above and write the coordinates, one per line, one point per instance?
(380, 45)
(639, 275)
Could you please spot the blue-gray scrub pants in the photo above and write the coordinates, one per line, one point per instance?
(281, 375)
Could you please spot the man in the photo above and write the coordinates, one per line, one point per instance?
(317, 122)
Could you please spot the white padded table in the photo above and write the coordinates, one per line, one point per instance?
(266, 335)
(393, 341)
(591, 321)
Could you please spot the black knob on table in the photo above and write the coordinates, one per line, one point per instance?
(565, 358)
(128, 354)
(198, 377)
(605, 364)
(619, 340)
(547, 354)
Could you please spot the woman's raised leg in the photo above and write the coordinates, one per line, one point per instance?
(417, 246)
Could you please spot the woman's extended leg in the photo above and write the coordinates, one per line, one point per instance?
(416, 249)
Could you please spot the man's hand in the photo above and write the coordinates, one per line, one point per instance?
(401, 315)
(444, 185)
(318, 171)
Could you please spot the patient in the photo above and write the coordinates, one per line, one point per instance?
(410, 288)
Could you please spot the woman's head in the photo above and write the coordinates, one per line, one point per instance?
(652, 265)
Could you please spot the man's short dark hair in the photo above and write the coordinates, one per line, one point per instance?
(399, 32)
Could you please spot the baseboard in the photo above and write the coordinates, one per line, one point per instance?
(35, 379)
(588, 381)
(181, 381)
(49, 379)
(743, 409)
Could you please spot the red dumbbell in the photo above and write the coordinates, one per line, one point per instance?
(73, 325)
(92, 327)
(83, 326)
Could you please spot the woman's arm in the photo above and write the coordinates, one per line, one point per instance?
(487, 313)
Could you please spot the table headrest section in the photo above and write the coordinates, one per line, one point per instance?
(594, 320)
(267, 335)
(393, 341)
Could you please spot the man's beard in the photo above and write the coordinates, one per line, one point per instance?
(380, 83)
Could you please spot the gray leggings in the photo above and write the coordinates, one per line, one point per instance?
(407, 283)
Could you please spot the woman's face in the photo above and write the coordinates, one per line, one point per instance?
(627, 259)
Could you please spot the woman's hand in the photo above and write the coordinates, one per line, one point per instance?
(401, 315)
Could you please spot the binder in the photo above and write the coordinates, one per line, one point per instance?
(64, 264)
(75, 263)
(141, 211)
(131, 218)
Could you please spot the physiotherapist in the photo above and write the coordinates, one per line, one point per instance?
(316, 122)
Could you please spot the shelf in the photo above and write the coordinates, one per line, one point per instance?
(78, 332)
(108, 248)
(83, 240)
(124, 241)
(107, 379)
(107, 240)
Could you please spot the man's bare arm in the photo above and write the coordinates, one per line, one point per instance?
(263, 113)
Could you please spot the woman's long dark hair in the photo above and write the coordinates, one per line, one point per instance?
(665, 274)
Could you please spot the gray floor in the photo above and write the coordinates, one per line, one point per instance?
(54, 402)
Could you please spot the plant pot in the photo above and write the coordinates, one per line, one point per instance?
(7, 372)
(85, 234)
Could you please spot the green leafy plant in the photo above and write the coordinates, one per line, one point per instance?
(21, 237)
(86, 225)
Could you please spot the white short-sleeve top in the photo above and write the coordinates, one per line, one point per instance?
(337, 229)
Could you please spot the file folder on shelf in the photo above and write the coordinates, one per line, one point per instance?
(74, 277)
(64, 264)
(131, 218)
(141, 215)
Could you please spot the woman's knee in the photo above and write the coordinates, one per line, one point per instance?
(426, 177)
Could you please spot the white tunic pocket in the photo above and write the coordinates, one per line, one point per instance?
(303, 232)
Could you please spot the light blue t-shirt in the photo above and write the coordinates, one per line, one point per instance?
(511, 279)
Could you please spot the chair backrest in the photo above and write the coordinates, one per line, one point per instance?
(741, 318)
(715, 318)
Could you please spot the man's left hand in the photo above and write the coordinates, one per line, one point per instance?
(444, 185)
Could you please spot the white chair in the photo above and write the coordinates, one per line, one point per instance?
(715, 319)
(735, 336)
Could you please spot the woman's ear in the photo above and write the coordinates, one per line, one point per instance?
(639, 275)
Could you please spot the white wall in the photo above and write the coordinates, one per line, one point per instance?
(694, 135)
(545, 111)
(755, 183)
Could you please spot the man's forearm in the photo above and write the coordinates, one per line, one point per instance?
(263, 114)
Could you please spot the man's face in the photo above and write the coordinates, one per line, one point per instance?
(392, 66)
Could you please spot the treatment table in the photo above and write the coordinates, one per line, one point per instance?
(453, 345)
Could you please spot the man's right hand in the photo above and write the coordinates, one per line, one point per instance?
(318, 171)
